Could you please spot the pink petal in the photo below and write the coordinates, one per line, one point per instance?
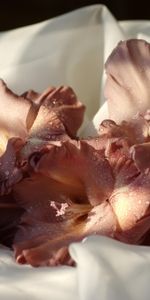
(138, 234)
(130, 202)
(141, 155)
(10, 172)
(63, 103)
(128, 78)
(16, 114)
(80, 166)
(75, 174)
(135, 131)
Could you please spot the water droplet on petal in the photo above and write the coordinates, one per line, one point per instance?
(6, 173)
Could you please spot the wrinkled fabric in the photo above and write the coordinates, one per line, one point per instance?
(78, 287)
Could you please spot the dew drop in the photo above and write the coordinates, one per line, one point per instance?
(6, 173)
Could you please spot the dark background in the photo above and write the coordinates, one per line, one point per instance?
(14, 13)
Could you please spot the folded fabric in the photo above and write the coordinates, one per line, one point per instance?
(71, 50)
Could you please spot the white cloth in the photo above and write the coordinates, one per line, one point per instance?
(71, 49)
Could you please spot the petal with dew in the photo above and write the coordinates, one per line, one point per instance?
(79, 166)
(67, 107)
(135, 131)
(131, 204)
(37, 194)
(64, 103)
(10, 172)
